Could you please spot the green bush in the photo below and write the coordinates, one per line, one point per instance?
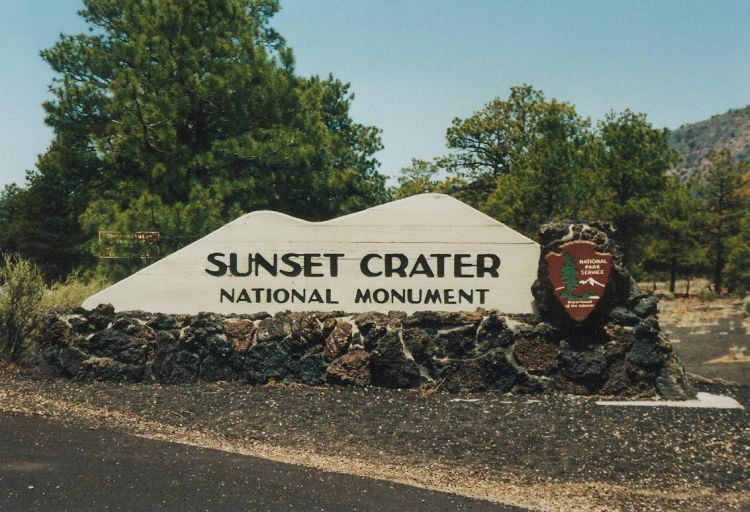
(22, 291)
(706, 295)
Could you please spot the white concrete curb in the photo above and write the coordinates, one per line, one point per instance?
(703, 401)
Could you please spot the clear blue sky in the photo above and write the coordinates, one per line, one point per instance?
(415, 65)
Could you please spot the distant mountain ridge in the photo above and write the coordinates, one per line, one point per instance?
(729, 130)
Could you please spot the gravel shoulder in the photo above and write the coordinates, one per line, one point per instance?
(543, 453)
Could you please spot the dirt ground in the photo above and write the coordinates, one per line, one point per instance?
(682, 288)
(702, 332)
(543, 453)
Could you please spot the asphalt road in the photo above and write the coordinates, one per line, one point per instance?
(45, 465)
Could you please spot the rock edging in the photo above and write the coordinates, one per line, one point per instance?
(457, 352)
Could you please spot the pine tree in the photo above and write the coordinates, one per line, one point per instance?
(678, 220)
(633, 163)
(738, 262)
(174, 116)
(722, 192)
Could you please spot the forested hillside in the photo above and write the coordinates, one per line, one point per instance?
(730, 130)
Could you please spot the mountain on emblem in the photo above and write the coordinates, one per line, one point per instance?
(592, 282)
(579, 275)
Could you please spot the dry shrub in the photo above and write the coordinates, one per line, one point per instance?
(22, 290)
(24, 298)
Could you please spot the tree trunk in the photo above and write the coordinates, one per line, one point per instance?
(719, 270)
(673, 274)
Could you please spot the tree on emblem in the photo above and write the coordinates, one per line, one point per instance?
(569, 277)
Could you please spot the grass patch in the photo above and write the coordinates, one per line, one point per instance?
(71, 293)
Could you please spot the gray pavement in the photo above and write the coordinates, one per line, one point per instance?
(46, 465)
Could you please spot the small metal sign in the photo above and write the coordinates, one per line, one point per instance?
(138, 244)
(579, 275)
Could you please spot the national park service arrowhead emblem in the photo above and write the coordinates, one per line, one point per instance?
(579, 276)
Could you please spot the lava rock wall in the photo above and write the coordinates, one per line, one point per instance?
(618, 351)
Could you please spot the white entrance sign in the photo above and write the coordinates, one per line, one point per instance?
(426, 252)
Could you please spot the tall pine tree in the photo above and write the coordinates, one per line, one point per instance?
(721, 189)
(176, 115)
